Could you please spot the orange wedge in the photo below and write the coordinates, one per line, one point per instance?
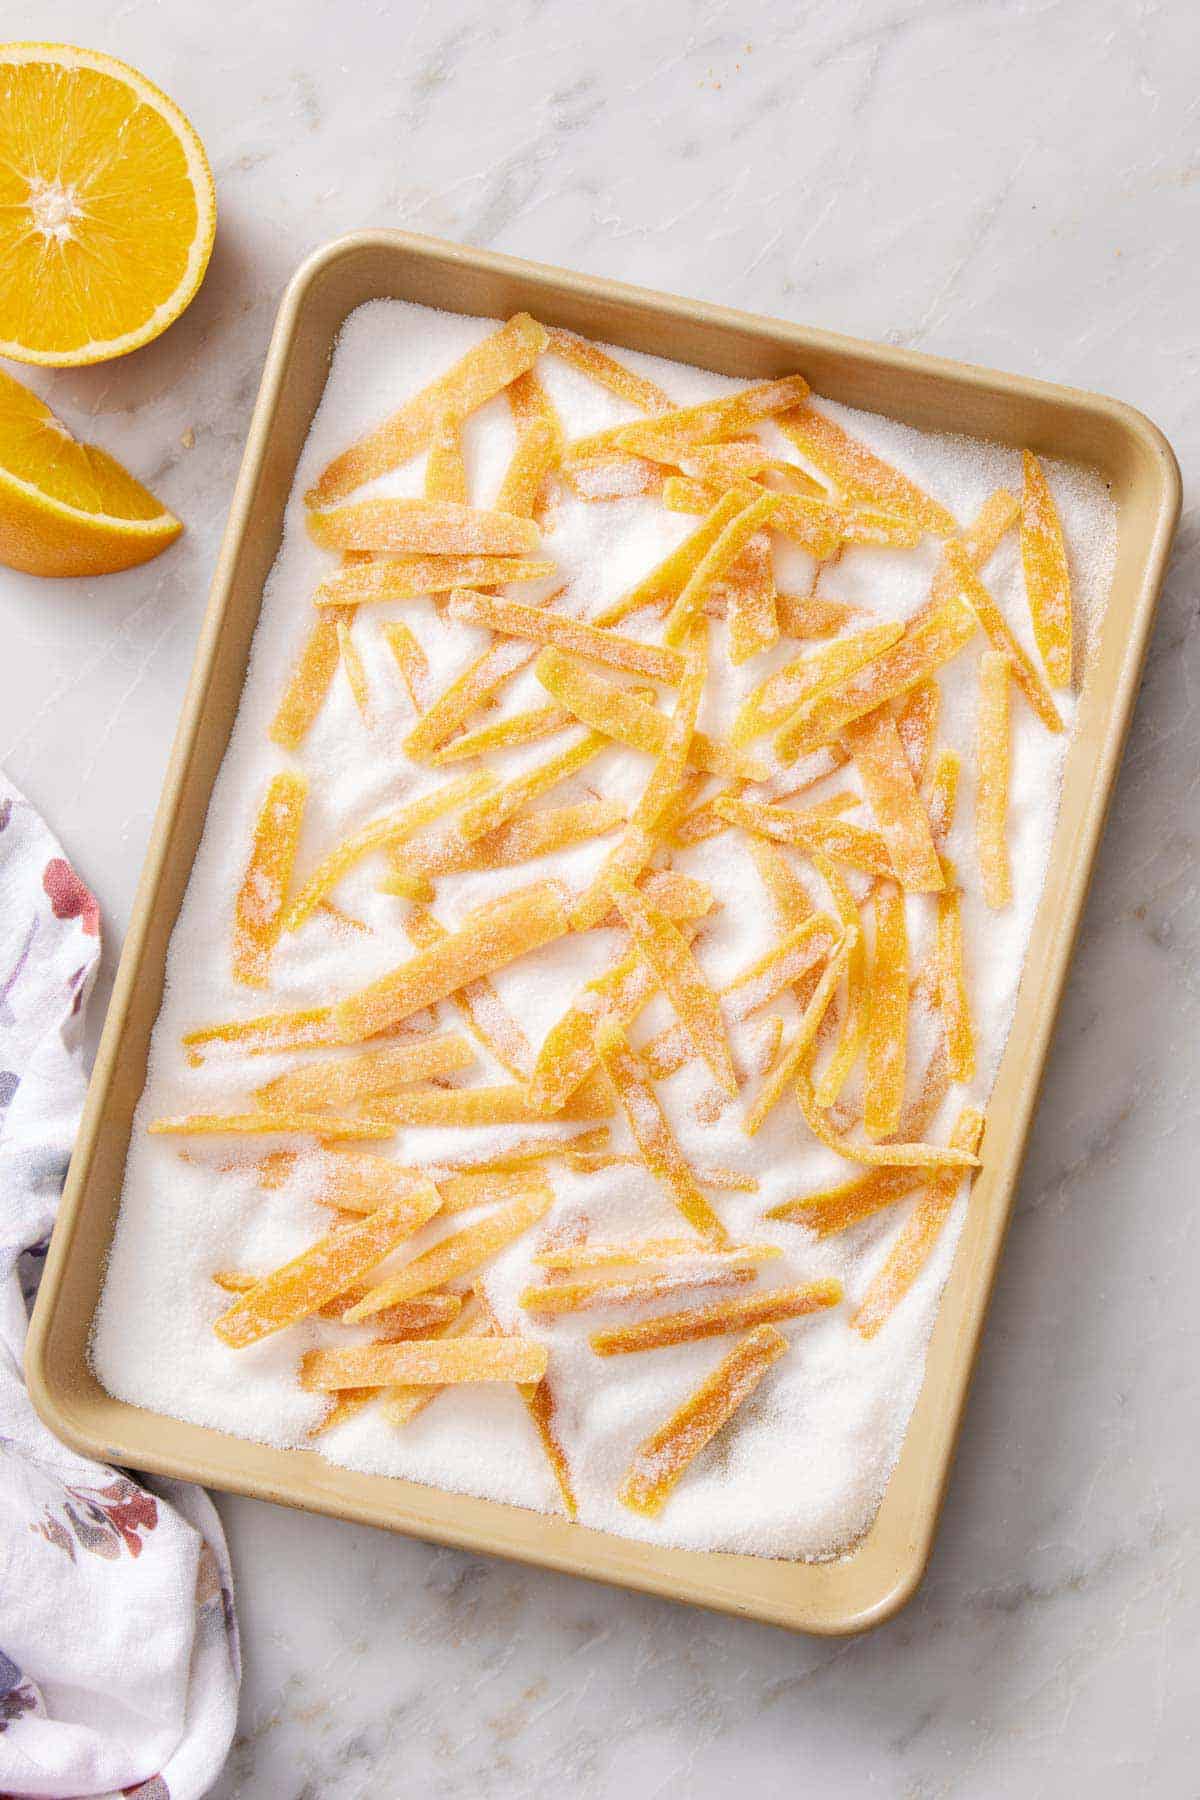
(107, 209)
(68, 508)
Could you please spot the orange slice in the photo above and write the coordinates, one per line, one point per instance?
(107, 209)
(66, 508)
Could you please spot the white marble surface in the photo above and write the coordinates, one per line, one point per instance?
(1017, 184)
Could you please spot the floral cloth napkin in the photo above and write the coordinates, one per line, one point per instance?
(119, 1659)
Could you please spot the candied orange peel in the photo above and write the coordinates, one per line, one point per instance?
(424, 528)
(653, 1135)
(991, 801)
(662, 1460)
(862, 475)
(887, 1015)
(258, 910)
(931, 1156)
(657, 662)
(408, 577)
(289, 1123)
(460, 1253)
(680, 976)
(634, 1290)
(344, 1081)
(310, 681)
(441, 1362)
(772, 702)
(878, 752)
(1000, 635)
(1047, 578)
(770, 1307)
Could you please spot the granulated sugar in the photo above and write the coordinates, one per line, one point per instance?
(801, 1470)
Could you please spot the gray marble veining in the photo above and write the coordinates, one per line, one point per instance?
(1014, 183)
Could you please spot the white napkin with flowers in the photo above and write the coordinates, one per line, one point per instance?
(119, 1661)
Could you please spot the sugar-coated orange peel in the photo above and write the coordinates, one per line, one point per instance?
(790, 1060)
(401, 1405)
(664, 1457)
(952, 997)
(749, 586)
(352, 667)
(668, 433)
(505, 1104)
(887, 1015)
(411, 659)
(659, 941)
(498, 806)
(561, 1297)
(625, 717)
(445, 466)
(878, 752)
(813, 524)
(288, 1123)
(1047, 578)
(523, 839)
(477, 377)
(804, 679)
(655, 661)
(462, 1193)
(999, 633)
(790, 900)
(539, 1402)
(857, 845)
(537, 454)
(460, 1253)
(383, 578)
(474, 687)
(258, 910)
(326, 1269)
(918, 1235)
(310, 681)
(593, 1253)
(917, 716)
(526, 727)
(423, 528)
(943, 795)
(653, 1135)
(991, 799)
(441, 1362)
(931, 1156)
(715, 564)
(478, 1002)
(514, 927)
(606, 371)
(667, 579)
(740, 1313)
(811, 615)
(836, 1209)
(928, 642)
(344, 1081)
(862, 475)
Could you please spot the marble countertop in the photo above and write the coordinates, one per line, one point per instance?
(1015, 184)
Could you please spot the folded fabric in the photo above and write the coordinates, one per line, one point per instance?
(119, 1659)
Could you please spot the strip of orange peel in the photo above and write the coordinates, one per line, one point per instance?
(258, 910)
(739, 1313)
(991, 799)
(459, 1254)
(1047, 578)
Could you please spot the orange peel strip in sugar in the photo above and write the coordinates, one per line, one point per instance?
(713, 419)
(862, 475)
(667, 579)
(460, 1253)
(887, 1020)
(952, 987)
(539, 1402)
(857, 845)
(943, 795)
(568, 1053)
(810, 615)
(383, 834)
(343, 1081)
(400, 1405)
(750, 585)
(653, 1135)
(497, 807)
(477, 377)
(445, 467)
(268, 1124)
(513, 927)
(310, 681)
(878, 1156)
(806, 678)
(681, 897)
(357, 1182)
(468, 691)
(625, 717)
(441, 1362)
(928, 642)
(678, 973)
(479, 1003)
(462, 1193)
(528, 1151)
(663, 1458)
(991, 799)
(1047, 578)
(507, 1104)
(790, 900)
(423, 528)
(409, 577)
(607, 372)
(611, 647)
(854, 1018)
(615, 477)
(715, 564)
(999, 634)
(918, 1235)
(411, 660)
(521, 840)
(326, 1269)
(356, 675)
(568, 1259)
(788, 1064)
(917, 717)
(875, 744)
(505, 734)
(836, 1209)
(722, 465)
(814, 525)
(980, 540)
(800, 951)
(638, 841)
(538, 452)
(258, 909)
(309, 1028)
(720, 1319)
(583, 1296)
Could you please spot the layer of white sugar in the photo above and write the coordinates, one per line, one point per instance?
(801, 1471)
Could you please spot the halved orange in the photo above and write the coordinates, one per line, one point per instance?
(107, 209)
(68, 508)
